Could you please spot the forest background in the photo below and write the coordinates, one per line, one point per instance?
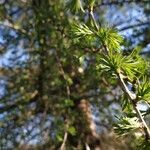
(54, 93)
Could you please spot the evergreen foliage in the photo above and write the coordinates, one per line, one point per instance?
(66, 76)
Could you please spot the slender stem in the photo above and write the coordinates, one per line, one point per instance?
(133, 99)
(93, 18)
(62, 72)
(87, 146)
(64, 141)
(147, 104)
(144, 125)
(132, 96)
(13, 27)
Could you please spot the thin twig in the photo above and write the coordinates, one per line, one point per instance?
(62, 72)
(64, 141)
(63, 145)
(119, 3)
(14, 27)
(134, 26)
(87, 146)
(93, 18)
(133, 100)
(147, 104)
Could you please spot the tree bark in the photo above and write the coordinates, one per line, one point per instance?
(88, 127)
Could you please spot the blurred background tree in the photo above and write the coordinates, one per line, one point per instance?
(51, 94)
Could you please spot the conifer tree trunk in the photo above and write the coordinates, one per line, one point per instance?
(90, 137)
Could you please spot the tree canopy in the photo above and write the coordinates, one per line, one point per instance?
(74, 74)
